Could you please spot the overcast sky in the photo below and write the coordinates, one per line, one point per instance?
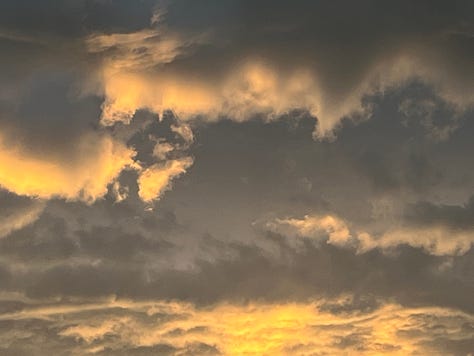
(236, 177)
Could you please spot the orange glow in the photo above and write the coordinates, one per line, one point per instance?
(98, 162)
(272, 329)
(252, 88)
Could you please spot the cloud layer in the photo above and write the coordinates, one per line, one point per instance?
(168, 328)
(236, 177)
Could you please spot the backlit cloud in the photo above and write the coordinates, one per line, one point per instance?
(253, 329)
(97, 162)
(154, 180)
(139, 72)
(236, 177)
(436, 239)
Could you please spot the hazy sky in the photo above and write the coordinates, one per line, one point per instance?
(236, 177)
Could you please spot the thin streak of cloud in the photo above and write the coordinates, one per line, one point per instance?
(436, 240)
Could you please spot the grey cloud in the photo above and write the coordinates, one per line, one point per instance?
(454, 216)
(74, 18)
(153, 248)
(342, 45)
(85, 281)
(404, 160)
(113, 243)
(103, 261)
(159, 350)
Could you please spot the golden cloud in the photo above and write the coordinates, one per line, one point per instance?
(134, 76)
(154, 180)
(252, 89)
(313, 226)
(98, 160)
(436, 240)
(301, 328)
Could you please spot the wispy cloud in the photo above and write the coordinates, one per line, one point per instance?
(255, 328)
(435, 239)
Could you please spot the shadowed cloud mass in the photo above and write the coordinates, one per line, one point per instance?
(236, 177)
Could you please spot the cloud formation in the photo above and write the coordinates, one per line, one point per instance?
(232, 329)
(17, 214)
(97, 161)
(154, 180)
(160, 68)
(274, 242)
(438, 240)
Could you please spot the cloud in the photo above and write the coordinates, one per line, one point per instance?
(313, 226)
(74, 251)
(235, 329)
(256, 88)
(20, 218)
(141, 50)
(164, 68)
(162, 149)
(154, 180)
(97, 161)
(252, 89)
(435, 239)
(185, 132)
(93, 88)
(211, 70)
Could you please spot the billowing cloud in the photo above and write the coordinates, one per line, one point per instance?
(147, 70)
(252, 89)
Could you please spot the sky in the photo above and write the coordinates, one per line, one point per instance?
(236, 177)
